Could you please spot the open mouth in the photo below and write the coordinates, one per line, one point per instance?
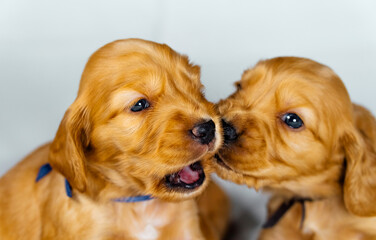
(221, 162)
(188, 178)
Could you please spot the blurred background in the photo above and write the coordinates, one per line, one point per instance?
(44, 46)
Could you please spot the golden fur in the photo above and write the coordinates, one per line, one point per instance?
(330, 159)
(106, 151)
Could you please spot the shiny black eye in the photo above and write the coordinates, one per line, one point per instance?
(292, 120)
(140, 105)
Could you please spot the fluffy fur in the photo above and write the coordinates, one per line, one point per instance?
(107, 151)
(330, 159)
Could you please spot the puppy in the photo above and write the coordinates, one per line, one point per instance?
(131, 145)
(291, 128)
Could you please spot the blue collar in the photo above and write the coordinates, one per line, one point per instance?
(46, 168)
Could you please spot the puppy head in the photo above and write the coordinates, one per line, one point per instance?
(289, 127)
(140, 124)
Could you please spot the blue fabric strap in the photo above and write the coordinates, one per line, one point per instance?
(68, 188)
(46, 168)
(133, 199)
(43, 171)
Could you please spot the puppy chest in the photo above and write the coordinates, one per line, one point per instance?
(328, 219)
(148, 221)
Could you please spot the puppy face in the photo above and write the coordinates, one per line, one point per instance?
(283, 128)
(140, 124)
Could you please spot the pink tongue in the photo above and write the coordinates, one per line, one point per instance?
(188, 176)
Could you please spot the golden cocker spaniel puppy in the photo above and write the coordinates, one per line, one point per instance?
(290, 128)
(128, 158)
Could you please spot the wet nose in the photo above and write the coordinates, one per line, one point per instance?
(204, 132)
(229, 132)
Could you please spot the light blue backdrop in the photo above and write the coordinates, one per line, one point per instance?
(45, 44)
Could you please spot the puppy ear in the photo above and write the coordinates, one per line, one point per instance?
(67, 149)
(360, 177)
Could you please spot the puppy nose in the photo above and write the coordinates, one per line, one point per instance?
(204, 132)
(229, 132)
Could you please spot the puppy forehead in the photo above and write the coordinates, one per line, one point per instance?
(124, 97)
(151, 86)
(155, 76)
(291, 86)
(317, 97)
(142, 70)
(289, 95)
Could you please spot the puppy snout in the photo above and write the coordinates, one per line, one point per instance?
(204, 132)
(229, 132)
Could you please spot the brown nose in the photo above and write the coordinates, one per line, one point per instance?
(204, 132)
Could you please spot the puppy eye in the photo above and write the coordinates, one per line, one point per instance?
(140, 105)
(292, 120)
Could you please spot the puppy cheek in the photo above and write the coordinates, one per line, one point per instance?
(179, 149)
(247, 154)
(208, 163)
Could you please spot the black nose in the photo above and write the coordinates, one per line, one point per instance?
(229, 132)
(204, 132)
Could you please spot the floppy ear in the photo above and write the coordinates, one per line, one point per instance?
(360, 176)
(67, 151)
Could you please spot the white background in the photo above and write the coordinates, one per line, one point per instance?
(45, 44)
